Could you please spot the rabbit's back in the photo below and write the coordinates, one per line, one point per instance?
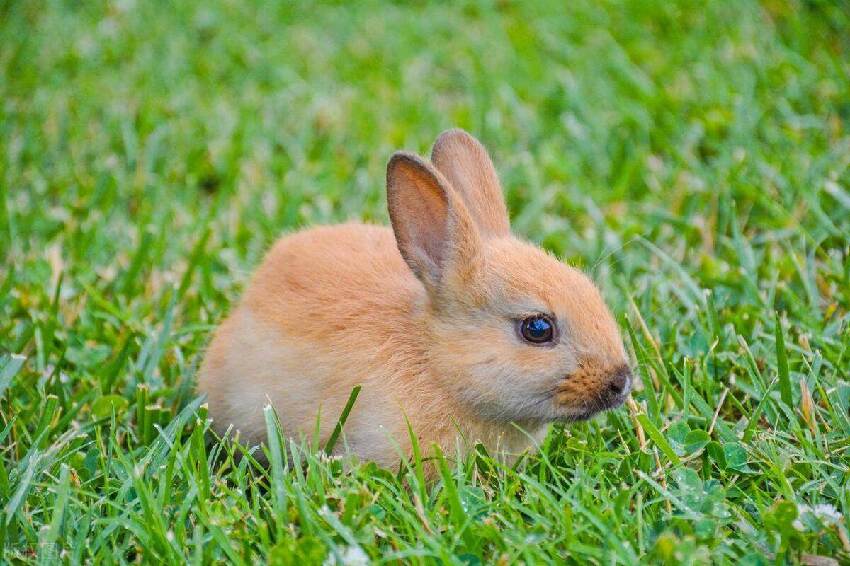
(329, 308)
(334, 276)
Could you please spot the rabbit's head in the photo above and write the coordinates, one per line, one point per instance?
(514, 333)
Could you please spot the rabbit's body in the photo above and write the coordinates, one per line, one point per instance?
(446, 320)
(352, 336)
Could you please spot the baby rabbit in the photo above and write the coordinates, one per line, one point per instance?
(446, 320)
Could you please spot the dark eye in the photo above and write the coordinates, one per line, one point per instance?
(537, 329)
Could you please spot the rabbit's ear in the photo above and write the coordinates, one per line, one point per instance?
(467, 166)
(433, 230)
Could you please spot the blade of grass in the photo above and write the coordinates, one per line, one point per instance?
(352, 398)
(782, 364)
(658, 438)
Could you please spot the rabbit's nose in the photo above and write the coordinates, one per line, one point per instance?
(620, 381)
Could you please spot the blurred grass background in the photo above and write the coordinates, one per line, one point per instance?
(693, 156)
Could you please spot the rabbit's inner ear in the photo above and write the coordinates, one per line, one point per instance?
(469, 170)
(432, 227)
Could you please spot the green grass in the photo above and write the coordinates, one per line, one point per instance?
(694, 157)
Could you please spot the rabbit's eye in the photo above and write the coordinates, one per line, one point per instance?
(537, 329)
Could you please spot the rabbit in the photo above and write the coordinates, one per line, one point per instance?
(446, 320)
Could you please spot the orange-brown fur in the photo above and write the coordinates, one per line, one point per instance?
(422, 316)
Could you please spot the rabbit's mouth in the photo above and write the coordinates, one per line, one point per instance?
(582, 396)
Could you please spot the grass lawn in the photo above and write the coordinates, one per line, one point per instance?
(694, 157)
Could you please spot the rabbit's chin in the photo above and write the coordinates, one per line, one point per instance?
(572, 415)
(543, 409)
(577, 417)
